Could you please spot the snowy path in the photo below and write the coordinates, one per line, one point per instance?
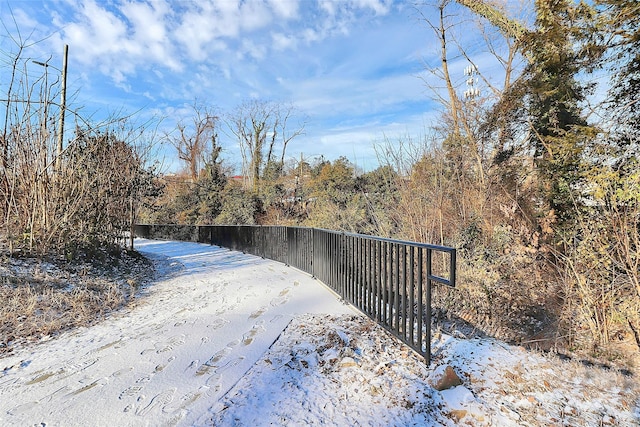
(172, 357)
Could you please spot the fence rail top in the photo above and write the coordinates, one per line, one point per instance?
(394, 241)
(440, 248)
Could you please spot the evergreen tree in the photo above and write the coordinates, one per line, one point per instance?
(554, 96)
(210, 187)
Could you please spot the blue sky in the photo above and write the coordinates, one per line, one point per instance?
(354, 69)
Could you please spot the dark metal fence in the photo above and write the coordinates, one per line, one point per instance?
(388, 280)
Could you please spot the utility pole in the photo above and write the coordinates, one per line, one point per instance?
(63, 107)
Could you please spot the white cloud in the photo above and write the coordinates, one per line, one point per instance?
(353, 97)
(198, 27)
(149, 31)
(287, 9)
(99, 38)
(24, 20)
(379, 7)
(283, 42)
(329, 6)
(96, 31)
(123, 37)
(206, 27)
(147, 20)
(252, 49)
(309, 35)
(118, 41)
(254, 15)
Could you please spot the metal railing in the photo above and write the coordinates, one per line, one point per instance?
(388, 280)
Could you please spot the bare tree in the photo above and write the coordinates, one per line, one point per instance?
(48, 193)
(194, 139)
(25, 144)
(261, 129)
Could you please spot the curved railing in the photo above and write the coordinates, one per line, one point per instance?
(388, 280)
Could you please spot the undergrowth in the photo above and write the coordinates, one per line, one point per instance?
(43, 296)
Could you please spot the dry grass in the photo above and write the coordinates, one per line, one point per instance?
(516, 298)
(40, 298)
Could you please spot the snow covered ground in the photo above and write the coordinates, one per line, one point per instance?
(225, 339)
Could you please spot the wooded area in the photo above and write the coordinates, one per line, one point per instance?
(536, 178)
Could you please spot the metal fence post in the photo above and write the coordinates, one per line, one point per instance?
(428, 310)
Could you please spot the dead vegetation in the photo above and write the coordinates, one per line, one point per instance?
(42, 297)
(67, 199)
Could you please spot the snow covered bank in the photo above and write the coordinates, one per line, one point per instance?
(344, 371)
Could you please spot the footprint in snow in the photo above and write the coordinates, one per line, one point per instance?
(161, 367)
(79, 366)
(159, 400)
(259, 312)
(211, 364)
(279, 301)
(97, 383)
(218, 323)
(171, 344)
(121, 372)
(43, 377)
(175, 419)
(115, 344)
(229, 364)
(130, 392)
(248, 337)
(143, 380)
(193, 365)
(213, 381)
(64, 372)
(180, 322)
(284, 292)
(61, 391)
(23, 408)
(185, 400)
